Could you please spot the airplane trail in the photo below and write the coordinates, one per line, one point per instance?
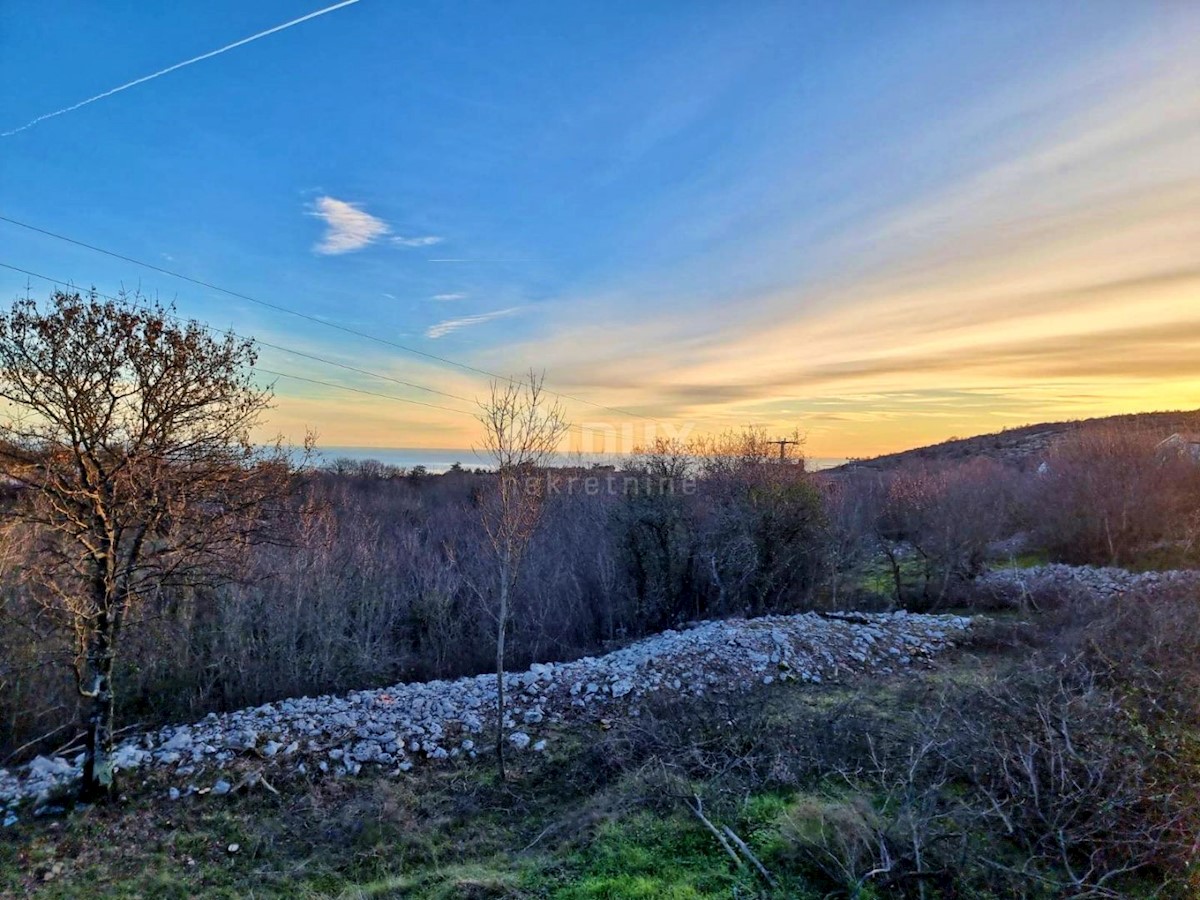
(179, 65)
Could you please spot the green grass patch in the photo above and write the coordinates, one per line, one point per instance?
(648, 857)
(877, 577)
(1023, 561)
(672, 857)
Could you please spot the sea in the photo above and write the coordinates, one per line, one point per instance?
(440, 459)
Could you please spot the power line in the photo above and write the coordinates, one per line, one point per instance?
(344, 387)
(291, 350)
(330, 362)
(292, 312)
(300, 353)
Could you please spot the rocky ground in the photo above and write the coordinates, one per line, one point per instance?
(393, 728)
(1015, 585)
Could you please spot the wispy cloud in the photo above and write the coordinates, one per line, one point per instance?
(348, 228)
(448, 297)
(187, 62)
(1061, 278)
(441, 329)
(426, 241)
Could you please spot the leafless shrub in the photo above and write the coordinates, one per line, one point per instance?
(1085, 756)
(1111, 496)
(1072, 771)
(940, 521)
(1062, 777)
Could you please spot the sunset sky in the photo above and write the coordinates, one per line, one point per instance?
(882, 223)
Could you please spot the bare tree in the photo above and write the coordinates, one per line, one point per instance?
(850, 504)
(1110, 496)
(521, 428)
(130, 440)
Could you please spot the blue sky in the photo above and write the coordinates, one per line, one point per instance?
(883, 223)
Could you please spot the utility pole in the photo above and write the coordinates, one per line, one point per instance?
(783, 442)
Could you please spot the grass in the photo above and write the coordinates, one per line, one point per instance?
(1023, 561)
(646, 856)
(572, 823)
(369, 837)
(442, 831)
(876, 576)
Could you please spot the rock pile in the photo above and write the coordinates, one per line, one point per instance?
(391, 728)
(1056, 579)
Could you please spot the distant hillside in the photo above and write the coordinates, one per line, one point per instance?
(1029, 443)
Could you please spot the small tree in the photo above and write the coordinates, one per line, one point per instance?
(130, 440)
(653, 525)
(851, 504)
(759, 521)
(520, 431)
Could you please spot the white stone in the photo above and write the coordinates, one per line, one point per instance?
(181, 740)
(128, 757)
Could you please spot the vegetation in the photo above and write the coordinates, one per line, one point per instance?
(1041, 762)
(387, 576)
(1058, 758)
(1026, 445)
(138, 481)
(520, 431)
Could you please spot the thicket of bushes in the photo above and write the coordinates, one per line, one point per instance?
(1069, 766)
(384, 576)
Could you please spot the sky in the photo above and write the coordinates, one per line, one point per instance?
(884, 224)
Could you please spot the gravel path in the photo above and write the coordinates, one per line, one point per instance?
(393, 728)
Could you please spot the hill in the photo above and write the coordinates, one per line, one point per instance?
(1028, 444)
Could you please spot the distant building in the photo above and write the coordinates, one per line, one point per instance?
(1184, 444)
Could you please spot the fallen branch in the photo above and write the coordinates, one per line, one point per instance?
(851, 618)
(253, 779)
(698, 810)
(741, 845)
(73, 743)
(37, 740)
(534, 842)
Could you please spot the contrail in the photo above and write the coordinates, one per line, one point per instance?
(186, 62)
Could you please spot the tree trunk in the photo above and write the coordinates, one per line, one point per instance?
(98, 777)
(926, 577)
(501, 628)
(897, 578)
(835, 576)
